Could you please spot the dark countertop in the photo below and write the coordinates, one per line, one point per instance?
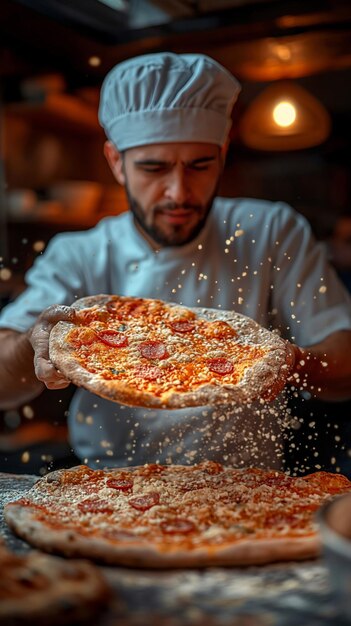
(284, 594)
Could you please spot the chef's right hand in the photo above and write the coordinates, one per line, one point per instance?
(39, 335)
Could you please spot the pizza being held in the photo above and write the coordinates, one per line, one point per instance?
(150, 353)
(175, 516)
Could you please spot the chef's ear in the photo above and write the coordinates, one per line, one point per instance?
(115, 161)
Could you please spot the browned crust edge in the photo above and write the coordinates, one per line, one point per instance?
(23, 522)
(257, 381)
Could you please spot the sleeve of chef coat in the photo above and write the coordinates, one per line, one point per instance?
(309, 302)
(56, 277)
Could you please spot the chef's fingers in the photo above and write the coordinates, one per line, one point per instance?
(44, 369)
(298, 356)
(56, 313)
(39, 338)
(39, 333)
(48, 374)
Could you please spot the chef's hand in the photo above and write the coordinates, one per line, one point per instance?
(305, 363)
(292, 353)
(39, 335)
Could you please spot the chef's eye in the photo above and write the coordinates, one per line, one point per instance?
(197, 167)
(154, 168)
(200, 165)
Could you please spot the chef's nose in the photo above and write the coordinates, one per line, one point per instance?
(177, 187)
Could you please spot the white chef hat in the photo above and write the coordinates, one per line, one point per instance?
(166, 97)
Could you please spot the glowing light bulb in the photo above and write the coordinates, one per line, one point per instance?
(94, 61)
(284, 114)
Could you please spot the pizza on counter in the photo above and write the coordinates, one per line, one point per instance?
(165, 516)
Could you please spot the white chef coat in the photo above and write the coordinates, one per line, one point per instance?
(255, 257)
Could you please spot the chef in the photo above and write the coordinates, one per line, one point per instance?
(167, 118)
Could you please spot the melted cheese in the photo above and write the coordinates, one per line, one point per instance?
(187, 364)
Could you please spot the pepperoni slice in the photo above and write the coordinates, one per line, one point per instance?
(177, 525)
(113, 338)
(94, 505)
(148, 372)
(121, 484)
(153, 350)
(220, 366)
(182, 326)
(143, 503)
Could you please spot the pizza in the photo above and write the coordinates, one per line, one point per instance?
(162, 516)
(41, 589)
(151, 353)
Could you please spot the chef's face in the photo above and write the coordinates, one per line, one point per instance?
(170, 187)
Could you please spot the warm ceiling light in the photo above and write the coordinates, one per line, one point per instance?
(284, 114)
(94, 61)
(284, 117)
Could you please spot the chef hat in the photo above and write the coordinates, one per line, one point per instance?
(166, 97)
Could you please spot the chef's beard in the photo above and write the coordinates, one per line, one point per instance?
(176, 237)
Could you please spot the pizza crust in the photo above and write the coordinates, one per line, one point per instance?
(50, 517)
(263, 380)
(70, 543)
(41, 589)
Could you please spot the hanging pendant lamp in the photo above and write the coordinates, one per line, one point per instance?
(284, 117)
